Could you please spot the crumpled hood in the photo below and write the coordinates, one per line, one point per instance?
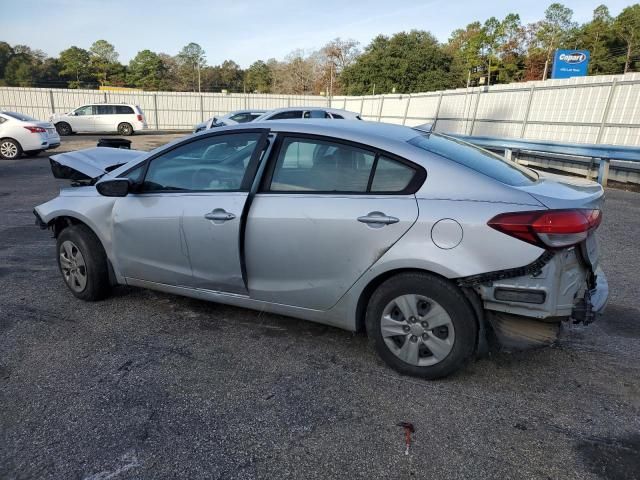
(91, 163)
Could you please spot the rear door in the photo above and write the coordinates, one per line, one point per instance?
(104, 118)
(326, 212)
(183, 227)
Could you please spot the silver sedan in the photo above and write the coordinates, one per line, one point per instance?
(432, 246)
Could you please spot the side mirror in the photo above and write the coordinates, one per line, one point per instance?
(72, 114)
(117, 187)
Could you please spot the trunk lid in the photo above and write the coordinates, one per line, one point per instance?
(87, 166)
(564, 192)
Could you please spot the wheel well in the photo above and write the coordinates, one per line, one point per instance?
(363, 301)
(12, 139)
(58, 224)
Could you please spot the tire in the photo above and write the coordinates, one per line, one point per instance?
(83, 263)
(440, 318)
(63, 129)
(125, 129)
(10, 149)
(33, 153)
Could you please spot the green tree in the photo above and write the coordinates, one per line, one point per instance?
(104, 60)
(192, 59)
(6, 53)
(555, 29)
(147, 71)
(258, 77)
(406, 62)
(76, 63)
(627, 28)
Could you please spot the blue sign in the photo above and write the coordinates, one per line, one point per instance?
(570, 63)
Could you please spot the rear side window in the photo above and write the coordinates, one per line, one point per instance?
(105, 109)
(287, 115)
(309, 165)
(123, 110)
(391, 176)
(475, 158)
(337, 117)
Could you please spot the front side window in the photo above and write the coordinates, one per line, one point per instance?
(289, 114)
(212, 164)
(241, 118)
(321, 166)
(86, 110)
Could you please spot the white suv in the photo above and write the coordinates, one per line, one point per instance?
(101, 117)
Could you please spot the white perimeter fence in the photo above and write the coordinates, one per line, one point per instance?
(599, 109)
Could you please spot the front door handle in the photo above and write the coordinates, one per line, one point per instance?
(219, 215)
(378, 219)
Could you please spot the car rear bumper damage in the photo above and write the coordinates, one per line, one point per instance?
(526, 306)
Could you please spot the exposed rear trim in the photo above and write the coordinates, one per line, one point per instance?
(534, 268)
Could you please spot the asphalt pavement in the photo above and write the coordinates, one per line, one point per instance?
(146, 385)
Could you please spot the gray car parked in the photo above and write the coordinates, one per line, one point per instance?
(431, 245)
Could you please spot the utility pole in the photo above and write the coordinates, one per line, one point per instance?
(199, 91)
(546, 66)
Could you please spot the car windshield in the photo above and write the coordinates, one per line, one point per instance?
(476, 158)
(20, 116)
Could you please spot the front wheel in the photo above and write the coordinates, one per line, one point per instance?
(10, 149)
(125, 129)
(63, 129)
(83, 263)
(422, 325)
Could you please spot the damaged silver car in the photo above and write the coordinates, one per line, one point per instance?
(432, 246)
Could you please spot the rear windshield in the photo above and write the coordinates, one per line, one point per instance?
(476, 158)
(20, 116)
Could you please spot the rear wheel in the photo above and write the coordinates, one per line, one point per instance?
(125, 129)
(83, 263)
(63, 128)
(10, 149)
(422, 325)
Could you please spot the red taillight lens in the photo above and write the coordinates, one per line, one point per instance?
(548, 228)
(36, 129)
(139, 117)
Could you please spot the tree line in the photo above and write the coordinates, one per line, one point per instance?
(495, 51)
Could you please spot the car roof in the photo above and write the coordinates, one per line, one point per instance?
(307, 107)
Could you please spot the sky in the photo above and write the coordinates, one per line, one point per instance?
(245, 31)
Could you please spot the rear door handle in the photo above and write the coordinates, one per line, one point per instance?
(378, 219)
(219, 215)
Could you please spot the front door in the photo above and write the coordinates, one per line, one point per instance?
(183, 226)
(83, 119)
(328, 212)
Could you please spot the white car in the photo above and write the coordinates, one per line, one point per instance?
(123, 118)
(21, 133)
(288, 113)
(231, 118)
(294, 113)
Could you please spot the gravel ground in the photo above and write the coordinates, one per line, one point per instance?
(149, 385)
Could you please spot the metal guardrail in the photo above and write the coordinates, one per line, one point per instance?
(602, 154)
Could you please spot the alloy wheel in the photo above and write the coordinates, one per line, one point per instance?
(8, 150)
(417, 330)
(73, 266)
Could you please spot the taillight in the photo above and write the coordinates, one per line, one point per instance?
(36, 129)
(548, 228)
(139, 117)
